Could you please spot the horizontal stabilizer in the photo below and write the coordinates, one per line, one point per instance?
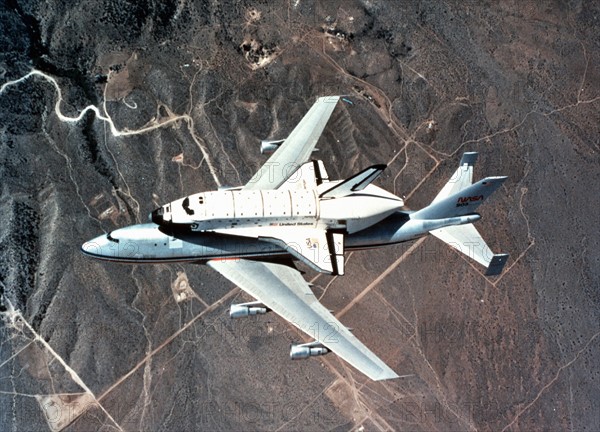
(466, 239)
(355, 183)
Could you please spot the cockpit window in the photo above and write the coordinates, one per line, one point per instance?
(111, 238)
(186, 206)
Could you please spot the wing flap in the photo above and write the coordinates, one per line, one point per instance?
(283, 290)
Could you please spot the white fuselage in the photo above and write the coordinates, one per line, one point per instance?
(150, 243)
(231, 209)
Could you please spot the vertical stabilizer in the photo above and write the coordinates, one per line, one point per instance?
(461, 203)
(356, 183)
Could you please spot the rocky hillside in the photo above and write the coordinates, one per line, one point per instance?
(137, 103)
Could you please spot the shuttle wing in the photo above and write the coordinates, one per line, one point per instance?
(318, 249)
(321, 250)
(296, 149)
(283, 290)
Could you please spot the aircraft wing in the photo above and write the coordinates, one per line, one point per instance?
(283, 290)
(296, 149)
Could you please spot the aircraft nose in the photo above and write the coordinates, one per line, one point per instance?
(96, 247)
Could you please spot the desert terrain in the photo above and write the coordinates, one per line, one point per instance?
(110, 109)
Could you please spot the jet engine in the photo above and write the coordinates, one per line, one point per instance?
(246, 309)
(311, 349)
(268, 147)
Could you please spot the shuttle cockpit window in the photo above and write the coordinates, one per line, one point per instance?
(186, 206)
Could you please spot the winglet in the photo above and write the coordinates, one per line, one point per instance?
(496, 264)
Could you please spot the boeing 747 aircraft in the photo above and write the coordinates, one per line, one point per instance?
(291, 210)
